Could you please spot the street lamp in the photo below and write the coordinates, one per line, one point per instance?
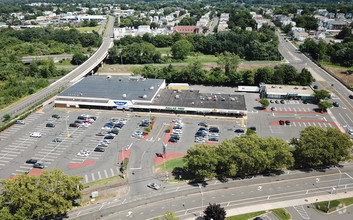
(329, 201)
(201, 199)
(339, 180)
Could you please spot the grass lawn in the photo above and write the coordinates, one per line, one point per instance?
(339, 71)
(88, 29)
(202, 58)
(171, 164)
(334, 205)
(98, 182)
(282, 214)
(245, 216)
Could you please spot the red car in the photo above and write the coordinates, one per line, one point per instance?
(281, 122)
(87, 121)
(350, 96)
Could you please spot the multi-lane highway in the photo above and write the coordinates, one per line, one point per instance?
(74, 75)
(342, 114)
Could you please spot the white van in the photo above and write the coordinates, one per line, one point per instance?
(36, 134)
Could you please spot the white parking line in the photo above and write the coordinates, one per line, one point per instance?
(294, 124)
(111, 170)
(285, 109)
(86, 178)
(304, 124)
(294, 109)
(12, 149)
(93, 179)
(9, 151)
(106, 174)
(99, 175)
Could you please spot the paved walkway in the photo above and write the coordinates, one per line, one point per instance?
(284, 204)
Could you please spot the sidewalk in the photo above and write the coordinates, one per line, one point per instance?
(284, 204)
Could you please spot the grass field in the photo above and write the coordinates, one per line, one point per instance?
(88, 29)
(245, 216)
(334, 205)
(282, 214)
(339, 71)
(98, 182)
(171, 164)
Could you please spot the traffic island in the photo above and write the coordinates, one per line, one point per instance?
(147, 131)
(334, 205)
(77, 165)
(168, 134)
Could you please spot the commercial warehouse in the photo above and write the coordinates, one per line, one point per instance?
(141, 94)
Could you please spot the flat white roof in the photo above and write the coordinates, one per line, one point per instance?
(289, 89)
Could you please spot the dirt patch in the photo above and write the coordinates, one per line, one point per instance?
(244, 66)
(106, 191)
(341, 73)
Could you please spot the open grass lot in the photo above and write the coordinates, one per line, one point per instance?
(245, 216)
(334, 205)
(202, 59)
(339, 71)
(103, 181)
(282, 214)
(88, 29)
(171, 164)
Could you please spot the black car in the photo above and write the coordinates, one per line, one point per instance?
(203, 129)
(336, 104)
(315, 86)
(239, 131)
(273, 108)
(119, 125)
(252, 128)
(287, 122)
(109, 137)
(99, 149)
(82, 117)
(144, 124)
(282, 101)
(33, 161)
(78, 122)
(175, 137)
(93, 117)
(271, 101)
(203, 124)
(200, 134)
(50, 125)
(173, 140)
(276, 101)
(213, 139)
(55, 116)
(213, 129)
(281, 122)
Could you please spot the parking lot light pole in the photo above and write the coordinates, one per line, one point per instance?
(201, 199)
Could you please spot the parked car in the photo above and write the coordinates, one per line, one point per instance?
(36, 134)
(203, 124)
(38, 165)
(103, 144)
(78, 122)
(153, 186)
(276, 101)
(144, 124)
(213, 129)
(119, 125)
(252, 128)
(203, 129)
(88, 121)
(93, 117)
(173, 140)
(239, 130)
(315, 86)
(74, 125)
(200, 139)
(33, 161)
(101, 133)
(287, 122)
(50, 125)
(177, 127)
(175, 136)
(109, 136)
(273, 108)
(108, 125)
(55, 116)
(271, 101)
(213, 139)
(56, 140)
(213, 135)
(282, 101)
(336, 104)
(20, 122)
(281, 122)
(99, 149)
(200, 133)
(350, 96)
(114, 131)
(82, 117)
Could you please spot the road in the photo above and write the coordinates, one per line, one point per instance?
(340, 94)
(213, 24)
(185, 200)
(67, 80)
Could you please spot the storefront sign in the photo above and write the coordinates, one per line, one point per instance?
(174, 108)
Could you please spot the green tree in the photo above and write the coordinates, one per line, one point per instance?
(264, 103)
(324, 105)
(181, 49)
(31, 197)
(344, 33)
(78, 58)
(321, 94)
(7, 117)
(305, 78)
(93, 23)
(264, 75)
(317, 147)
(228, 61)
(214, 211)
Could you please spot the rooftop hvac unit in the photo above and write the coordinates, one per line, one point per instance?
(177, 96)
(109, 76)
(192, 103)
(209, 98)
(179, 90)
(158, 95)
(144, 96)
(232, 99)
(151, 88)
(124, 95)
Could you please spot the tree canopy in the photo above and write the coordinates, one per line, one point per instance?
(214, 211)
(317, 147)
(31, 197)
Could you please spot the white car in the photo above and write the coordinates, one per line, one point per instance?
(123, 121)
(84, 125)
(106, 128)
(213, 135)
(36, 134)
(153, 186)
